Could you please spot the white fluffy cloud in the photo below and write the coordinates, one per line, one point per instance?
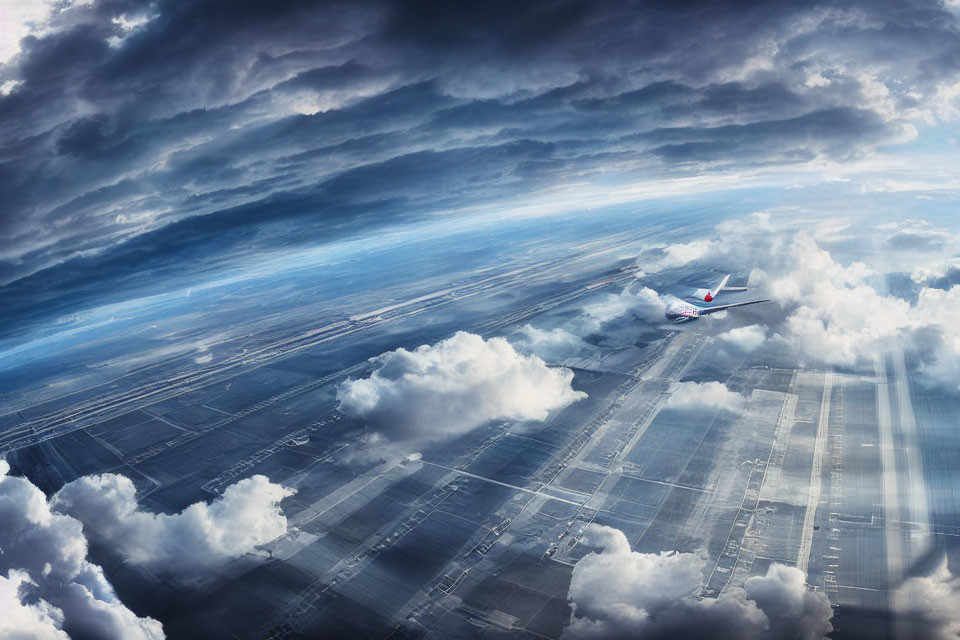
(643, 303)
(804, 268)
(704, 395)
(674, 255)
(680, 254)
(187, 545)
(834, 315)
(931, 603)
(935, 313)
(50, 584)
(443, 390)
(48, 588)
(834, 312)
(838, 318)
(935, 270)
(745, 338)
(550, 344)
(618, 593)
(34, 621)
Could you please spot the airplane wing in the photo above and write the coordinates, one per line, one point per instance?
(720, 307)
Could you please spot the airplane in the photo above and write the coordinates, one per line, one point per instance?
(681, 311)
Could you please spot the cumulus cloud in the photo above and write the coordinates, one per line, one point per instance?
(931, 604)
(745, 338)
(619, 593)
(832, 312)
(804, 270)
(37, 620)
(836, 315)
(188, 545)
(674, 255)
(447, 389)
(936, 335)
(51, 590)
(843, 325)
(940, 274)
(704, 395)
(642, 303)
(556, 343)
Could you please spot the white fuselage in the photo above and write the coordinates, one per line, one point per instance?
(679, 311)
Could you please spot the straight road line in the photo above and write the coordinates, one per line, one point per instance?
(668, 484)
(888, 461)
(503, 484)
(917, 505)
(816, 472)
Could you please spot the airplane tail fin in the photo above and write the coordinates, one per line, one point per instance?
(707, 295)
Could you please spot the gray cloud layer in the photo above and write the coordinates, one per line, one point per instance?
(121, 117)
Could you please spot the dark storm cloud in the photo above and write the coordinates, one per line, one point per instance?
(122, 118)
(839, 133)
